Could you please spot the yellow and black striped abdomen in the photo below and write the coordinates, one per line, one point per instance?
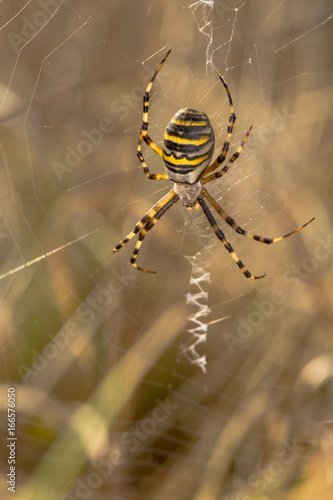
(188, 146)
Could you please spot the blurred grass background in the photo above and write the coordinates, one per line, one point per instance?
(107, 405)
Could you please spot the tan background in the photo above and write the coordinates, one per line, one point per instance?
(107, 404)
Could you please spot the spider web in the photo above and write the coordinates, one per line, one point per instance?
(195, 382)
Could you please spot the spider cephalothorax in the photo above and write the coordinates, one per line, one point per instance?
(188, 146)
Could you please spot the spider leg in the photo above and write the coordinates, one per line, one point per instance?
(144, 128)
(222, 171)
(229, 220)
(146, 223)
(223, 239)
(146, 218)
(171, 200)
(232, 118)
(155, 148)
(152, 145)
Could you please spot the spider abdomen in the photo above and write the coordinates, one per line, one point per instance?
(188, 146)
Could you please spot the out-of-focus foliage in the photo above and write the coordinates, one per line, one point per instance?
(107, 405)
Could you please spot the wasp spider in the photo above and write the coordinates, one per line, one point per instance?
(188, 146)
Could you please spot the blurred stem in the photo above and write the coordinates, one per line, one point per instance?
(88, 429)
